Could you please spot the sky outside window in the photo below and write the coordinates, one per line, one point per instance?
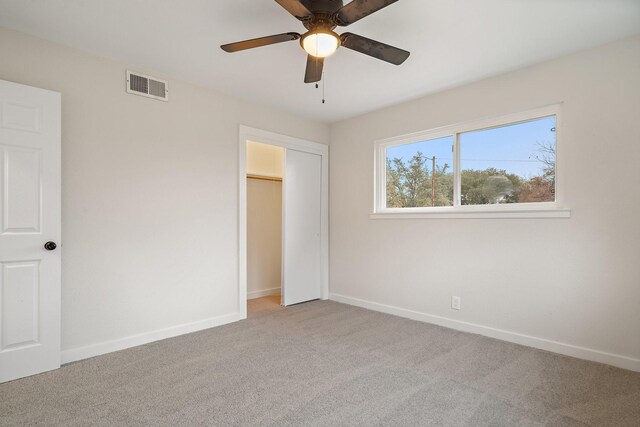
(514, 148)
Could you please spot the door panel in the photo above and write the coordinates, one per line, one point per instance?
(20, 288)
(29, 217)
(302, 208)
(22, 190)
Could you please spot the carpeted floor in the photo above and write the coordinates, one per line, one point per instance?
(326, 364)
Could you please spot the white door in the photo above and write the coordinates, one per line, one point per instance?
(302, 220)
(29, 218)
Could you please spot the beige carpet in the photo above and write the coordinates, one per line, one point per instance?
(326, 364)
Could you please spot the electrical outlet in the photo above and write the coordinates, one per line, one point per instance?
(455, 303)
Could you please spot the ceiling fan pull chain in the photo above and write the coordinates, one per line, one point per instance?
(323, 85)
(317, 47)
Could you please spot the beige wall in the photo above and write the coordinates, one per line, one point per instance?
(575, 281)
(264, 237)
(149, 193)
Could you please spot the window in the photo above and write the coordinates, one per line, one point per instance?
(490, 166)
(515, 163)
(420, 174)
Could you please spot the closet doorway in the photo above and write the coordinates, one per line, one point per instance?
(283, 218)
(265, 170)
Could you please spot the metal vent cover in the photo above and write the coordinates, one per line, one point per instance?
(151, 87)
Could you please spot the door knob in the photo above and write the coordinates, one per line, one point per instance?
(50, 246)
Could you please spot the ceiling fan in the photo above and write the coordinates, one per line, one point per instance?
(320, 18)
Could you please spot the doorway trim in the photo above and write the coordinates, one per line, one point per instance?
(247, 133)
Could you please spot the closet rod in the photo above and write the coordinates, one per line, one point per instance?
(264, 178)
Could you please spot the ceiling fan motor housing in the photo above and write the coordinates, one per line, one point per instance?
(323, 6)
(323, 14)
(320, 21)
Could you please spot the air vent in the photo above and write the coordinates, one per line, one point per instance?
(150, 87)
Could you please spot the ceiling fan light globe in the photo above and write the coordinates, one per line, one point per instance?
(320, 44)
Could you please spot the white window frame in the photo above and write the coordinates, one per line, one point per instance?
(511, 210)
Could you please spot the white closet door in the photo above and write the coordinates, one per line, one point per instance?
(29, 230)
(302, 219)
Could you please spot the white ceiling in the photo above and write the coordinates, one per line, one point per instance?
(452, 42)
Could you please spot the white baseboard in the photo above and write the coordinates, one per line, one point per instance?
(79, 353)
(620, 361)
(263, 293)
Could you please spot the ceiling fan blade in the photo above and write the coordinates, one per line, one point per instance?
(374, 48)
(358, 9)
(296, 8)
(314, 69)
(261, 41)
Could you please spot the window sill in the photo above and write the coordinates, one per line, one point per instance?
(488, 212)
